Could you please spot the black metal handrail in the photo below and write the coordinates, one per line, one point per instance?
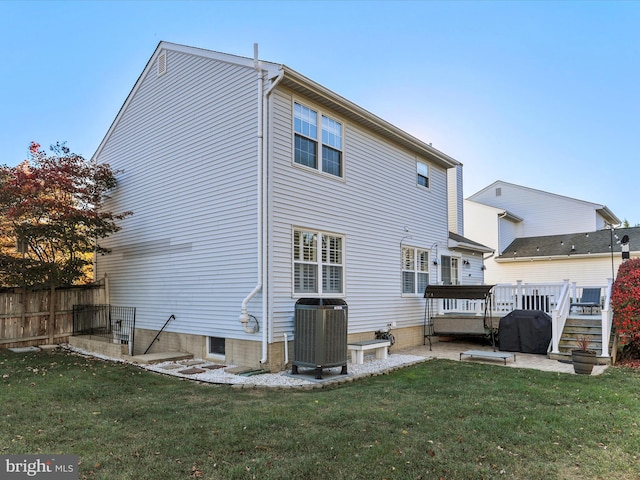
(172, 317)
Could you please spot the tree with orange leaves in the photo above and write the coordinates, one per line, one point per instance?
(52, 217)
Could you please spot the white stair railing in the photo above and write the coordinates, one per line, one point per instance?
(559, 316)
(607, 320)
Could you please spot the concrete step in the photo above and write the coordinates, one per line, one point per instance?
(159, 357)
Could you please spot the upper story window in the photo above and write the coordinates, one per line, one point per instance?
(415, 270)
(422, 170)
(318, 263)
(308, 144)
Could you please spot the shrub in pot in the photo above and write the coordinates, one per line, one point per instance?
(583, 359)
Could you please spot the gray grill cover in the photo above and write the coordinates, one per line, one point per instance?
(526, 331)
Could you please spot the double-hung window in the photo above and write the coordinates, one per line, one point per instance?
(308, 143)
(415, 270)
(318, 263)
(422, 171)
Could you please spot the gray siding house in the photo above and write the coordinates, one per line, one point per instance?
(252, 186)
(528, 229)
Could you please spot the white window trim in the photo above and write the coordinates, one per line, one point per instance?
(320, 293)
(320, 112)
(210, 354)
(415, 270)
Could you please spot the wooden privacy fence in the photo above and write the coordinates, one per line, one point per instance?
(25, 315)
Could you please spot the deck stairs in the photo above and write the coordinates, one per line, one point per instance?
(581, 325)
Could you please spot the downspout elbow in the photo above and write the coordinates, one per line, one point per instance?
(244, 310)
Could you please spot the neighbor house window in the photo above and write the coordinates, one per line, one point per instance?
(450, 270)
(308, 144)
(415, 270)
(422, 170)
(318, 263)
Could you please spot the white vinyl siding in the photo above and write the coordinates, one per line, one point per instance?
(187, 144)
(543, 213)
(594, 271)
(456, 200)
(370, 208)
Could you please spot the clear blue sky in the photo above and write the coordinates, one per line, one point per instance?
(543, 94)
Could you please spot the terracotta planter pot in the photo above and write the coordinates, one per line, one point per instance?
(583, 361)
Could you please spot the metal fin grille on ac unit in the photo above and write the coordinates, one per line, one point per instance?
(320, 334)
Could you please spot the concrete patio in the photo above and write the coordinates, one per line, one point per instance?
(451, 350)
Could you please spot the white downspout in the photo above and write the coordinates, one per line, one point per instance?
(265, 212)
(262, 196)
(244, 314)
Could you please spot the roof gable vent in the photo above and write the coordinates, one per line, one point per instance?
(498, 191)
(162, 63)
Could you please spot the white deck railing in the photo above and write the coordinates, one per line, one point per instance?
(553, 298)
(509, 297)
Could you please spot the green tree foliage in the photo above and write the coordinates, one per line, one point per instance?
(52, 216)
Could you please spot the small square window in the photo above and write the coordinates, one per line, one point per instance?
(216, 346)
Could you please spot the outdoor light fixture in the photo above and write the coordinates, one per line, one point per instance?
(625, 247)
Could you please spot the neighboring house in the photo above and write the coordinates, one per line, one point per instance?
(585, 258)
(252, 186)
(503, 213)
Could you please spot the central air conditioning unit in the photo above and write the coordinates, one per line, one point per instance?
(320, 335)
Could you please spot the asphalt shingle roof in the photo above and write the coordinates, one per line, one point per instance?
(584, 243)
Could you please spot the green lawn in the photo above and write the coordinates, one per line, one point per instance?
(439, 419)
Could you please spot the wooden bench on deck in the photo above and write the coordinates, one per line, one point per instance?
(357, 349)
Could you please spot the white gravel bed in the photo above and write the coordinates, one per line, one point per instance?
(284, 379)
